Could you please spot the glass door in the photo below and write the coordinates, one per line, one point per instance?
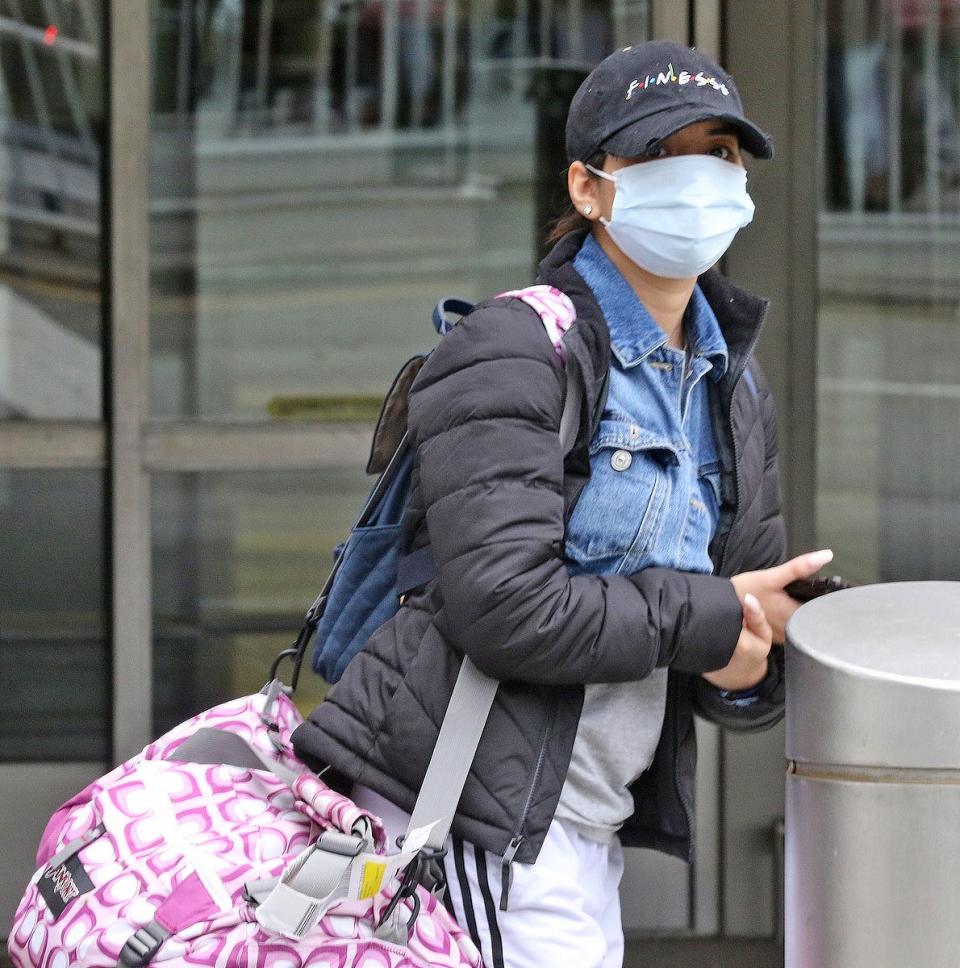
(54, 607)
(290, 186)
(319, 176)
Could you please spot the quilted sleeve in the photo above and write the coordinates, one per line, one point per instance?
(769, 546)
(485, 413)
(765, 708)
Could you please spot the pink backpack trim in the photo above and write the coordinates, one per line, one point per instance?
(554, 308)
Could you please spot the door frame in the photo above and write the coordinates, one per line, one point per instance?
(771, 48)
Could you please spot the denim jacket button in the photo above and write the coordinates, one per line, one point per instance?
(621, 460)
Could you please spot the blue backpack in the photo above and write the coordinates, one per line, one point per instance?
(371, 570)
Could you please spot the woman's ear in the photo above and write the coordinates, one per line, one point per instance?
(584, 190)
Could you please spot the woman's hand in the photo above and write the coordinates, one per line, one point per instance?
(748, 664)
(768, 585)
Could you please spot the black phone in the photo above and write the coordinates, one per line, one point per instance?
(806, 589)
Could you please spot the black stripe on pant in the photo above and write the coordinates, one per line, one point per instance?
(477, 900)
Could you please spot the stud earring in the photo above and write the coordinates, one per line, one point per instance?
(587, 209)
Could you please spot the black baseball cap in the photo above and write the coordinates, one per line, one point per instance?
(638, 96)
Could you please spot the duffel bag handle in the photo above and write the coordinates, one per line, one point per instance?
(325, 807)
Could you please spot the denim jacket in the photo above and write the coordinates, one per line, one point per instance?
(652, 500)
(654, 452)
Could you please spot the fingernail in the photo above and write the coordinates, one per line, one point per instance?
(820, 558)
(751, 602)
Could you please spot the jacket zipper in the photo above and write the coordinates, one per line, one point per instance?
(517, 839)
(736, 451)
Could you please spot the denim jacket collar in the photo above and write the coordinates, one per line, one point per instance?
(739, 313)
(634, 334)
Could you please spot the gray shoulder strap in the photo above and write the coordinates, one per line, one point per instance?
(453, 755)
(473, 696)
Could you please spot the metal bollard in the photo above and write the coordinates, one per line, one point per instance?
(873, 783)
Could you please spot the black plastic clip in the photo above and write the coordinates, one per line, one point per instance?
(425, 869)
(430, 871)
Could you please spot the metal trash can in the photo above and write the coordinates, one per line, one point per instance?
(873, 783)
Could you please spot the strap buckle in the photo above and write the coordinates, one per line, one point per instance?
(142, 945)
(429, 871)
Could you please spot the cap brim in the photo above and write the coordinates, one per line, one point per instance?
(644, 136)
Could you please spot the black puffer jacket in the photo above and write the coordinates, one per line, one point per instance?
(491, 494)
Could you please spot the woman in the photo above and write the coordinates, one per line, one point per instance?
(614, 591)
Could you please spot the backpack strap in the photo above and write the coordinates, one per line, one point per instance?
(474, 691)
(557, 314)
(553, 306)
(570, 418)
(449, 304)
(415, 569)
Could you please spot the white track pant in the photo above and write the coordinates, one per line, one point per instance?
(564, 910)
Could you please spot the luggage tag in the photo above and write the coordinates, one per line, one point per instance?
(372, 872)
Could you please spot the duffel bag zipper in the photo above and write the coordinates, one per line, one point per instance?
(506, 861)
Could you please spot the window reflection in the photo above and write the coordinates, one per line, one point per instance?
(893, 95)
(350, 65)
(238, 559)
(324, 172)
(54, 653)
(51, 131)
(889, 283)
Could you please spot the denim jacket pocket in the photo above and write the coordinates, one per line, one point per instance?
(700, 519)
(618, 515)
(709, 476)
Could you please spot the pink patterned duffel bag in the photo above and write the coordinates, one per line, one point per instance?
(217, 847)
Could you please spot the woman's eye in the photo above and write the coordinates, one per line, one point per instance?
(721, 151)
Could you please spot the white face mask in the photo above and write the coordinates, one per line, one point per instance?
(676, 216)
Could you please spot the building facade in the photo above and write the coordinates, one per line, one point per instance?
(223, 224)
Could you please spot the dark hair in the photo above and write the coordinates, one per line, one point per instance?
(570, 220)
